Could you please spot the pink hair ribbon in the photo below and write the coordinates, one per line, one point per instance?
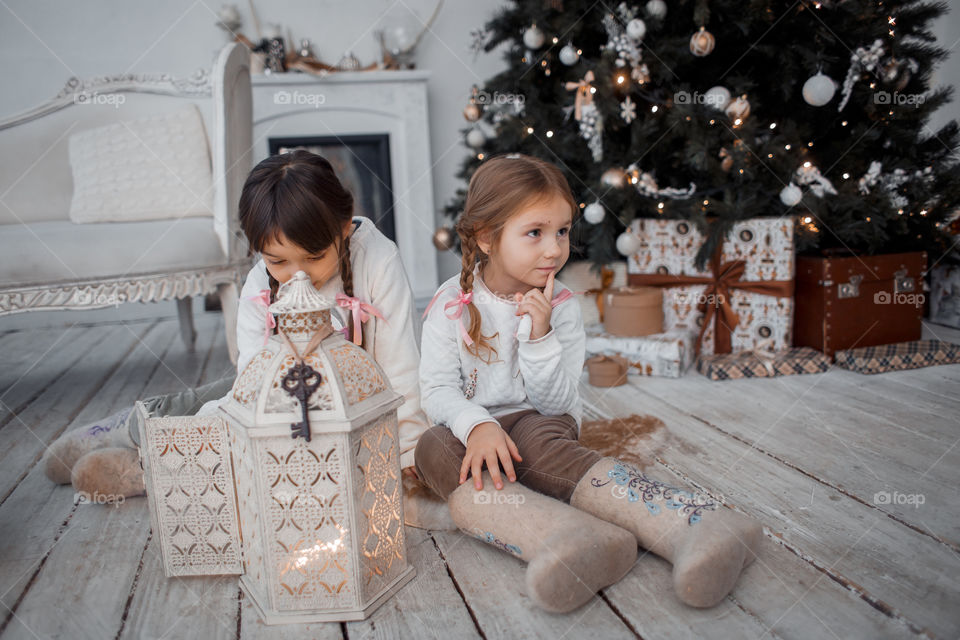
(458, 303)
(361, 313)
(263, 299)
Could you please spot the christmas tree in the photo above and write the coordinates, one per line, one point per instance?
(716, 111)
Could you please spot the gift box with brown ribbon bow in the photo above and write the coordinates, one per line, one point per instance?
(744, 297)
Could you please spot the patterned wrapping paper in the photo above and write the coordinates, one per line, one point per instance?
(667, 355)
(791, 362)
(765, 245)
(896, 357)
(945, 295)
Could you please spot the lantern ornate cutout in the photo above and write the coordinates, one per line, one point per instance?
(314, 526)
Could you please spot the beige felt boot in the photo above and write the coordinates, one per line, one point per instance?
(59, 458)
(570, 554)
(707, 544)
(109, 474)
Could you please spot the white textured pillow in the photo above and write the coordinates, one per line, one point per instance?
(146, 169)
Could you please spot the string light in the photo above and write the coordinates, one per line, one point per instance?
(479, 156)
(620, 79)
(868, 218)
(549, 134)
(900, 211)
(660, 206)
(807, 220)
(737, 122)
(582, 205)
(787, 147)
(806, 165)
(706, 202)
(843, 124)
(923, 212)
(810, 144)
(741, 171)
(529, 129)
(773, 125)
(769, 155)
(654, 108)
(712, 121)
(593, 89)
(891, 20)
(555, 40)
(846, 176)
(873, 85)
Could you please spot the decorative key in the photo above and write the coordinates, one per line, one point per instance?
(300, 382)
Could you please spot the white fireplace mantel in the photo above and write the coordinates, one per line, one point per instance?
(363, 103)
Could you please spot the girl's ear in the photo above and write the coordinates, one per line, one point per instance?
(347, 228)
(483, 242)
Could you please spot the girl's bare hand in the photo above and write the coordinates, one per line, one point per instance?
(537, 304)
(488, 443)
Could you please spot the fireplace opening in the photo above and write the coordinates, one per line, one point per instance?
(362, 162)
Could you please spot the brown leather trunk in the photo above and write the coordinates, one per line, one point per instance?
(859, 301)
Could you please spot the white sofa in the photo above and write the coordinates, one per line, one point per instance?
(49, 262)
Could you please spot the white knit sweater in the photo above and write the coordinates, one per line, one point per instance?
(462, 391)
(378, 279)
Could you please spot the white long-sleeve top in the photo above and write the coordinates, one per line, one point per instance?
(461, 391)
(380, 280)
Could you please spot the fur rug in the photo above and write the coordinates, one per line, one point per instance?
(635, 439)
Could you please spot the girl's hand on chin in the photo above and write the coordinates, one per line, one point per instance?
(537, 304)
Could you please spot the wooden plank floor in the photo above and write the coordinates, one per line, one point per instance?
(825, 462)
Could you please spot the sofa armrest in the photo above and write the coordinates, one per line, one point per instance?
(231, 144)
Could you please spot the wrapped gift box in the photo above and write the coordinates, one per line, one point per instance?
(590, 284)
(945, 295)
(633, 311)
(749, 364)
(746, 293)
(667, 355)
(896, 357)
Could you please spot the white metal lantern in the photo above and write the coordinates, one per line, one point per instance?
(310, 515)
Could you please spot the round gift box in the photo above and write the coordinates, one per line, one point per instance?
(633, 311)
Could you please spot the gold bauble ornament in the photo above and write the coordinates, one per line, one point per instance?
(702, 43)
(443, 239)
(472, 111)
(739, 108)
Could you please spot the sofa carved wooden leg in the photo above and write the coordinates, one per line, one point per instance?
(229, 299)
(185, 312)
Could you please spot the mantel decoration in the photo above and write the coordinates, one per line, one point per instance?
(294, 483)
(397, 44)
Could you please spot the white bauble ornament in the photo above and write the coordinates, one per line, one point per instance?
(628, 244)
(702, 43)
(614, 177)
(739, 108)
(636, 29)
(818, 90)
(475, 138)
(594, 213)
(717, 97)
(657, 9)
(790, 195)
(569, 55)
(533, 38)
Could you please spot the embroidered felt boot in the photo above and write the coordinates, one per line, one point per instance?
(570, 554)
(707, 544)
(109, 474)
(59, 458)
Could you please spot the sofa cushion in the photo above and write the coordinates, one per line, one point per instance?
(49, 252)
(149, 168)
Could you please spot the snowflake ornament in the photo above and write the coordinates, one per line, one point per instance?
(628, 110)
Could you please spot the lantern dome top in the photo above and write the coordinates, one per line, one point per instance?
(298, 295)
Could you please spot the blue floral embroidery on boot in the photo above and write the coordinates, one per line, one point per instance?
(637, 487)
(491, 539)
